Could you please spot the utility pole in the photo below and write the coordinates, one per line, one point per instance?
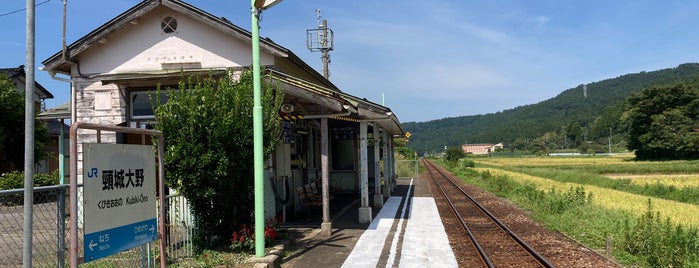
(610, 140)
(321, 39)
(29, 137)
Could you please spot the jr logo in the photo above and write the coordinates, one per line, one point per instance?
(93, 173)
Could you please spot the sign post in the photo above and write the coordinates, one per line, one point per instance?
(119, 198)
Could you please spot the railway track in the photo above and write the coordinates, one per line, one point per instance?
(493, 243)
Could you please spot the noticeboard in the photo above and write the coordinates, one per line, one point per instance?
(119, 198)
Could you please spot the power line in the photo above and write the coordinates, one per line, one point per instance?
(20, 10)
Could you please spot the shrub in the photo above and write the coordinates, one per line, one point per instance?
(15, 180)
(467, 163)
(659, 242)
(208, 136)
(557, 203)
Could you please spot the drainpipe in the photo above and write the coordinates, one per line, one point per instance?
(61, 137)
(72, 93)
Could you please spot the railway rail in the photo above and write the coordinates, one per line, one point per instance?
(494, 244)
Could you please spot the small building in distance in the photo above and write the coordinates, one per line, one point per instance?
(18, 76)
(480, 148)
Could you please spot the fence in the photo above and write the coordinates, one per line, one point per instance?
(180, 227)
(48, 226)
(407, 168)
(50, 235)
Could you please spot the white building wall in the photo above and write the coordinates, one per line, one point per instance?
(140, 47)
(145, 47)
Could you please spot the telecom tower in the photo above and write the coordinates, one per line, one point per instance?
(321, 39)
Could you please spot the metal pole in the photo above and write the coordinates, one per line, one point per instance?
(61, 154)
(610, 141)
(29, 138)
(73, 194)
(257, 135)
(61, 226)
(416, 166)
(324, 48)
(163, 206)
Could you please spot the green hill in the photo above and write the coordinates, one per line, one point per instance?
(570, 114)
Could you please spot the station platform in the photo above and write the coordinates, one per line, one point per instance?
(406, 232)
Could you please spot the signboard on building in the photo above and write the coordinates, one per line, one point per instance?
(118, 198)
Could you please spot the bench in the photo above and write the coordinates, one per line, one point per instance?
(306, 199)
(309, 196)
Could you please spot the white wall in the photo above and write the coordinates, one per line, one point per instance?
(145, 47)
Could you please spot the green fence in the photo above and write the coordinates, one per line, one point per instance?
(407, 168)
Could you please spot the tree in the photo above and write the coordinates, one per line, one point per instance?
(453, 154)
(575, 135)
(405, 152)
(12, 128)
(208, 133)
(661, 122)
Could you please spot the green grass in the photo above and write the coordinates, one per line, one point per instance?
(648, 240)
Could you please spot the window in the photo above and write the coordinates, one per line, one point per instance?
(342, 148)
(142, 106)
(169, 25)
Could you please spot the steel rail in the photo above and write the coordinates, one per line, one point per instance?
(541, 259)
(484, 256)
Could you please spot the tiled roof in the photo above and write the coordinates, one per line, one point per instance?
(13, 72)
(16, 72)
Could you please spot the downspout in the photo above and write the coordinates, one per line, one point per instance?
(64, 46)
(61, 145)
(72, 93)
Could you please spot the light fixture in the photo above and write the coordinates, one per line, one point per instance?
(346, 106)
(287, 108)
(389, 113)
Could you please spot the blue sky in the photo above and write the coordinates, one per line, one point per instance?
(429, 59)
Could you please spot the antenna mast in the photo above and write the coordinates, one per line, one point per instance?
(321, 39)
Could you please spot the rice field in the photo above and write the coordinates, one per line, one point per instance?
(676, 180)
(681, 213)
(606, 178)
(545, 161)
(618, 191)
(669, 173)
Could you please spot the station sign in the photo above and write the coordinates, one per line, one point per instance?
(119, 198)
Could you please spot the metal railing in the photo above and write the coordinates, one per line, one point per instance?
(181, 228)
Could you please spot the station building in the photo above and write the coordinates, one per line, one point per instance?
(330, 137)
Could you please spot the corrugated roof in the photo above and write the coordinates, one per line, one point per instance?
(54, 128)
(59, 112)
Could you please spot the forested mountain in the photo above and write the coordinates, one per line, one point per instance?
(564, 121)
